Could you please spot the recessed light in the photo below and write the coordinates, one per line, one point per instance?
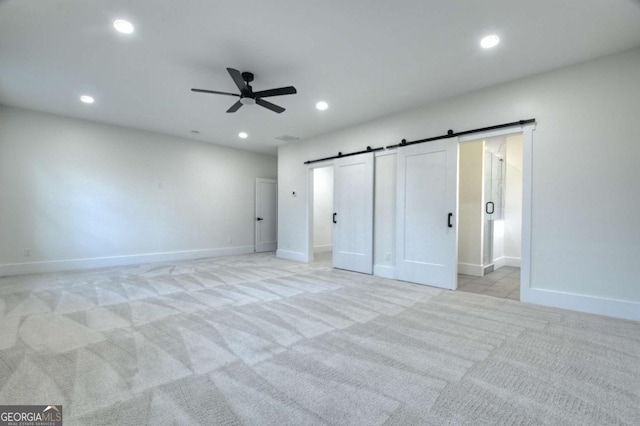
(123, 26)
(490, 41)
(322, 105)
(243, 135)
(87, 99)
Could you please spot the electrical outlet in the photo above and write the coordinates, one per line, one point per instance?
(230, 240)
(27, 252)
(387, 257)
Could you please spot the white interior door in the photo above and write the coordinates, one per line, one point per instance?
(266, 214)
(427, 199)
(353, 217)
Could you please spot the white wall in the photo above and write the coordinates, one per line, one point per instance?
(470, 212)
(322, 209)
(72, 189)
(384, 215)
(513, 200)
(585, 138)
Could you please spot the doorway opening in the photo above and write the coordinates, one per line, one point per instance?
(490, 215)
(322, 215)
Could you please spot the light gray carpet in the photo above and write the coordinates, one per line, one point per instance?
(259, 340)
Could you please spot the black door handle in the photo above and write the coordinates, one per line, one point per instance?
(259, 219)
(449, 220)
(334, 217)
(486, 209)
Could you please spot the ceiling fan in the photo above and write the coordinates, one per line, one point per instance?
(248, 96)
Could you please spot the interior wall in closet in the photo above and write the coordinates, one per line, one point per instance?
(322, 209)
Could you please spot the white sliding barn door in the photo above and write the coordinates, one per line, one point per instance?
(353, 217)
(266, 214)
(426, 237)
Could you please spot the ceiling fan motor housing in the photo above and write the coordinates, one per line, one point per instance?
(247, 97)
(247, 76)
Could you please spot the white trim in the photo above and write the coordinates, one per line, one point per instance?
(110, 261)
(579, 302)
(525, 253)
(472, 137)
(471, 269)
(293, 255)
(384, 271)
(507, 261)
(323, 248)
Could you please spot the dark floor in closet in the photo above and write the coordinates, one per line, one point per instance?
(503, 282)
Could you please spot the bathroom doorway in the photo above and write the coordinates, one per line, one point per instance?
(490, 216)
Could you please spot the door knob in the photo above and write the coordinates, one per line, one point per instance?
(259, 219)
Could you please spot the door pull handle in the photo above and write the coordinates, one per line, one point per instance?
(259, 219)
(486, 208)
(449, 220)
(334, 217)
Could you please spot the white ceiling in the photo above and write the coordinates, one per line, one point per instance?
(367, 59)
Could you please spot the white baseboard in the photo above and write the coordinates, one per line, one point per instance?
(292, 255)
(582, 303)
(109, 261)
(323, 248)
(507, 261)
(471, 269)
(384, 271)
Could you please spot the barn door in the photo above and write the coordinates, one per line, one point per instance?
(426, 238)
(353, 213)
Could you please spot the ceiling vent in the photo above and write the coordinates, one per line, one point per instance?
(287, 138)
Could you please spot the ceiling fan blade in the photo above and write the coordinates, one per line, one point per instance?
(237, 78)
(235, 107)
(269, 105)
(289, 90)
(214, 92)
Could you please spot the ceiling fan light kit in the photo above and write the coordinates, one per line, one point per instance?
(247, 95)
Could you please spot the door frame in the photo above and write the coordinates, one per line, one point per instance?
(527, 161)
(309, 205)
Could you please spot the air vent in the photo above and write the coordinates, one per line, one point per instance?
(287, 138)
